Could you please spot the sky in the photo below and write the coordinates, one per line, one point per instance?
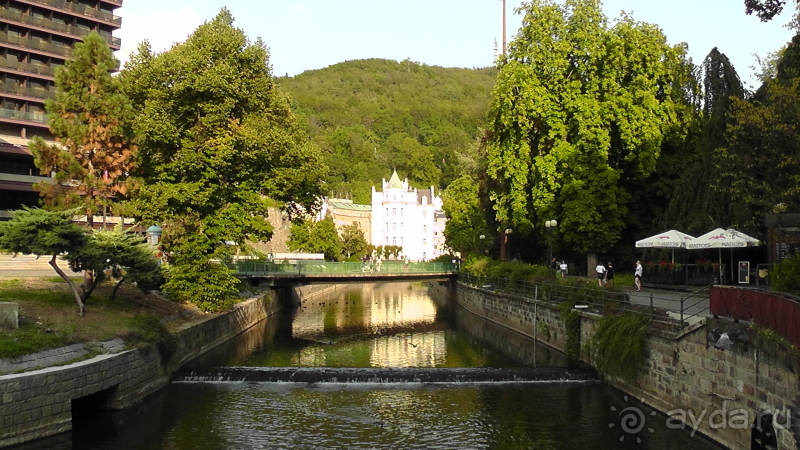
(313, 34)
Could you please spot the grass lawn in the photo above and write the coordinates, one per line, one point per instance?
(49, 315)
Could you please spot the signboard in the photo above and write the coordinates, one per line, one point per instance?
(744, 272)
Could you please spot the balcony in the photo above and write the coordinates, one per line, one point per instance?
(57, 49)
(13, 114)
(24, 178)
(53, 26)
(79, 9)
(114, 2)
(13, 88)
(27, 68)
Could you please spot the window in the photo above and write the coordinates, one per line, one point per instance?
(424, 200)
(394, 226)
(401, 240)
(424, 241)
(424, 256)
(387, 211)
(387, 225)
(394, 240)
(394, 211)
(401, 226)
(387, 240)
(401, 211)
(424, 214)
(394, 197)
(424, 228)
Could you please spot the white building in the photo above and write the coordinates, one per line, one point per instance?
(409, 218)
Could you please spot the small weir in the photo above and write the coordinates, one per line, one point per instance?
(386, 375)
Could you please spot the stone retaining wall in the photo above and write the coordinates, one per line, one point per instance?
(39, 403)
(682, 374)
(59, 355)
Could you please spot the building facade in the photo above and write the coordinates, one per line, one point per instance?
(407, 217)
(36, 37)
(344, 212)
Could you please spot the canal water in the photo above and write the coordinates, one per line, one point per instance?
(396, 330)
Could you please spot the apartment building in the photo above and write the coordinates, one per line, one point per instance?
(36, 37)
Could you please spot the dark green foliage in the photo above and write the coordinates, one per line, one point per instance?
(316, 237)
(466, 219)
(764, 9)
(572, 328)
(210, 286)
(370, 116)
(34, 231)
(150, 330)
(483, 266)
(618, 345)
(785, 277)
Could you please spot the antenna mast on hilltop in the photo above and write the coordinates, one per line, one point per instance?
(504, 27)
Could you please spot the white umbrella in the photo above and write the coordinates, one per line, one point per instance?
(720, 239)
(669, 239)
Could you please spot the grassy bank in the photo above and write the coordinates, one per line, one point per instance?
(49, 319)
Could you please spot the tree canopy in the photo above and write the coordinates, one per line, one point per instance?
(217, 140)
(90, 118)
(580, 109)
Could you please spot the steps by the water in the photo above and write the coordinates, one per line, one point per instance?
(386, 375)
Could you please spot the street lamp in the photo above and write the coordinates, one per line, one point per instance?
(481, 237)
(551, 226)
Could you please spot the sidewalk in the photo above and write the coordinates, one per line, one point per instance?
(694, 305)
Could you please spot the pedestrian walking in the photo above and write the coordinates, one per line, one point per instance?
(610, 274)
(601, 273)
(637, 276)
(563, 269)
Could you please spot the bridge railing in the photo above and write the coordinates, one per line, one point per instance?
(266, 267)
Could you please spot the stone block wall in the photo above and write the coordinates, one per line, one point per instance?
(717, 392)
(39, 403)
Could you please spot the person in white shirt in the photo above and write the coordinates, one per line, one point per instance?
(601, 273)
(563, 269)
(637, 276)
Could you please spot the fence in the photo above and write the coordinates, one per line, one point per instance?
(766, 310)
(267, 268)
(670, 309)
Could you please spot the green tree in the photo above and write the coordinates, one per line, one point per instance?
(354, 244)
(45, 233)
(698, 202)
(578, 106)
(316, 237)
(466, 219)
(217, 140)
(90, 118)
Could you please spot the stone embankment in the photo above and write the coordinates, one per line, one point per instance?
(718, 393)
(39, 403)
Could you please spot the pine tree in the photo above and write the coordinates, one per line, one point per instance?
(90, 119)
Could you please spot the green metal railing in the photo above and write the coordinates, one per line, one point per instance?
(267, 268)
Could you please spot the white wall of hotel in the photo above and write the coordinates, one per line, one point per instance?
(406, 217)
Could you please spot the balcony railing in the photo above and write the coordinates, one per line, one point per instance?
(81, 9)
(26, 67)
(24, 178)
(11, 88)
(30, 43)
(51, 25)
(22, 115)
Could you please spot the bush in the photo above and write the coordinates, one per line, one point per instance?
(618, 345)
(149, 329)
(211, 287)
(510, 270)
(786, 275)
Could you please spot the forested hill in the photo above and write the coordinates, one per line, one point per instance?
(370, 116)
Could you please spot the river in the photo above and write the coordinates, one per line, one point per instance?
(398, 328)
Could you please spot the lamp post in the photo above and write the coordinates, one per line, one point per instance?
(551, 226)
(480, 247)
